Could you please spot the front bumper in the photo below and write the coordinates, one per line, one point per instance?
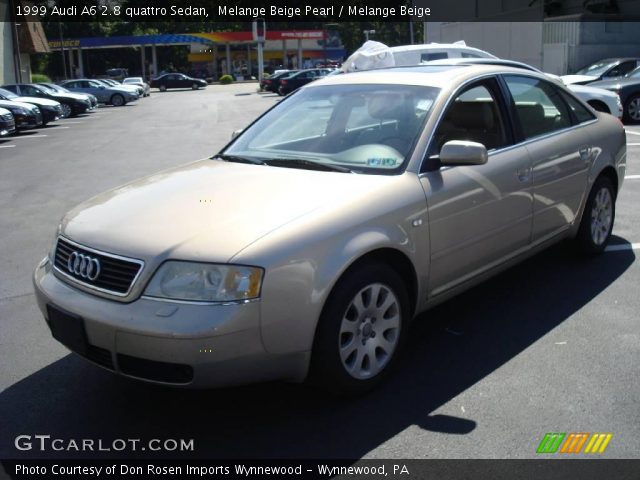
(25, 122)
(50, 115)
(169, 342)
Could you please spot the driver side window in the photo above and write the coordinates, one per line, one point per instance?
(474, 115)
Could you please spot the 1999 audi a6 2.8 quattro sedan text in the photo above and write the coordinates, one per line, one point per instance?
(329, 223)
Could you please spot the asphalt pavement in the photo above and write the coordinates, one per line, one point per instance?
(552, 345)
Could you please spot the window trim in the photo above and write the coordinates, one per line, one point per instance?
(516, 119)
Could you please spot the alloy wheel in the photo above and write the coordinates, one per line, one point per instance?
(601, 216)
(369, 331)
(633, 109)
(66, 110)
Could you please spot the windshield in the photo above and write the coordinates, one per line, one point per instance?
(132, 80)
(597, 69)
(47, 88)
(7, 93)
(365, 128)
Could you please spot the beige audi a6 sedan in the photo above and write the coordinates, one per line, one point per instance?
(306, 246)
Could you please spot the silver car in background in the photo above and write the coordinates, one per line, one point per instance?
(304, 249)
(103, 92)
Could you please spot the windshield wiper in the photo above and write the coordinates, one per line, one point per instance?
(238, 159)
(307, 164)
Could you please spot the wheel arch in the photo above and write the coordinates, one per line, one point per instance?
(393, 258)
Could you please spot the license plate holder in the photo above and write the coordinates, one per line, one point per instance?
(68, 329)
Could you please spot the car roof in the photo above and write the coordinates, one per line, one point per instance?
(482, 61)
(439, 76)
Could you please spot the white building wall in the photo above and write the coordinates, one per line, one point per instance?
(521, 41)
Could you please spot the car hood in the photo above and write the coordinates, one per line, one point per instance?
(37, 101)
(592, 89)
(616, 84)
(12, 104)
(208, 210)
(74, 96)
(569, 79)
(129, 91)
(60, 97)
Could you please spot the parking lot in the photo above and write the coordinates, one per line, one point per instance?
(552, 345)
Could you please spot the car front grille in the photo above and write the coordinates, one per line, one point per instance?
(116, 275)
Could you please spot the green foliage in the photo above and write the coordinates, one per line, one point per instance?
(226, 79)
(40, 78)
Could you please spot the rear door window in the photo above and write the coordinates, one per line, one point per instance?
(538, 106)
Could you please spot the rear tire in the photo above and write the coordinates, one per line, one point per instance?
(598, 217)
(117, 100)
(361, 330)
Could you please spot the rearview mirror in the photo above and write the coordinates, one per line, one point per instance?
(235, 133)
(462, 152)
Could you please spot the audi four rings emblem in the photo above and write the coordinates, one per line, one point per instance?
(83, 265)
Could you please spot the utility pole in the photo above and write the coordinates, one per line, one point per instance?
(64, 60)
(260, 35)
(17, 62)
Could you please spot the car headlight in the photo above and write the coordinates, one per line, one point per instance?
(205, 282)
(20, 111)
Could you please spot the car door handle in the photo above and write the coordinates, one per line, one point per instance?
(585, 153)
(524, 174)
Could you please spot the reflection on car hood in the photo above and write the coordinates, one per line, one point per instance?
(208, 210)
(569, 79)
(37, 101)
(616, 84)
(592, 89)
(128, 91)
(11, 103)
(76, 96)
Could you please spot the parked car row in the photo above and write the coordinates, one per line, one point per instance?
(106, 91)
(25, 106)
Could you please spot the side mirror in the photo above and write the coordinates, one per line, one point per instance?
(235, 133)
(462, 152)
(102, 87)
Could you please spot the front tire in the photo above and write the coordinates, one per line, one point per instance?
(597, 218)
(117, 100)
(632, 109)
(360, 331)
(195, 86)
(66, 110)
(162, 88)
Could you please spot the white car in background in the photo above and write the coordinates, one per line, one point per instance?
(138, 82)
(406, 55)
(598, 98)
(372, 55)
